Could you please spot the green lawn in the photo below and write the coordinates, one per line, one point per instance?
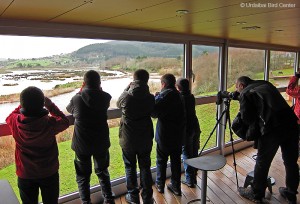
(206, 114)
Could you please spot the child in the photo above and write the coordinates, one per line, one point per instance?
(91, 136)
(191, 142)
(36, 153)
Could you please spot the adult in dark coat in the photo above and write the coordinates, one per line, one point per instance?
(91, 136)
(136, 135)
(170, 129)
(191, 141)
(262, 103)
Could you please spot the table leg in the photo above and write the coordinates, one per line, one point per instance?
(203, 187)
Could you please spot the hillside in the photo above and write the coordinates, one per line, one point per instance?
(98, 54)
(133, 49)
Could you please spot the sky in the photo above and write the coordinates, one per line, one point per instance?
(22, 47)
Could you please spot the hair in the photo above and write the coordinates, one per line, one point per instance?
(92, 79)
(168, 79)
(141, 75)
(183, 84)
(245, 80)
(32, 99)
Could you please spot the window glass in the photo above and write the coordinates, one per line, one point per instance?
(207, 119)
(242, 62)
(281, 67)
(205, 65)
(59, 73)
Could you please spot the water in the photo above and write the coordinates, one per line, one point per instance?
(23, 79)
(113, 86)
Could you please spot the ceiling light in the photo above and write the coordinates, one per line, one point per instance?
(241, 22)
(251, 28)
(182, 12)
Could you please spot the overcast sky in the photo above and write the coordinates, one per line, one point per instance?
(16, 47)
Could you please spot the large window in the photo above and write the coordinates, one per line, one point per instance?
(205, 82)
(281, 70)
(205, 70)
(243, 62)
(281, 67)
(60, 76)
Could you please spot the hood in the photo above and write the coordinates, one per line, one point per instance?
(138, 89)
(32, 126)
(95, 98)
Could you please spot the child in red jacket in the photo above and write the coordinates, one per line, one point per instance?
(36, 153)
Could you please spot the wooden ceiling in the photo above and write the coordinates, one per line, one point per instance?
(275, 22)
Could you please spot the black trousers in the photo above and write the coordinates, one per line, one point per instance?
(29, 189)
(162, 155)
(130, 158)
(83, 167)
(287, 140)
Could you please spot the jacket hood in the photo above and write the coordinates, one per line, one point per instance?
(95, 98)
(32, 126)
(138, 89)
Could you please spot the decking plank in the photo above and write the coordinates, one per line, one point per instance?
(222, 186)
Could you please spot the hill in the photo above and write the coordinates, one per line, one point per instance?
(100, 53)
(134, 49)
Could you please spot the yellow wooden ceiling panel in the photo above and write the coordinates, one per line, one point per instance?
(128, 14)
(40, 10)
(3, 6)
(100, 11)
(215, 18)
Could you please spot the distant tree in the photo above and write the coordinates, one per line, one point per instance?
(204, 52)
(19, 65)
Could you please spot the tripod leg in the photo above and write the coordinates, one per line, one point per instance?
(233, 151)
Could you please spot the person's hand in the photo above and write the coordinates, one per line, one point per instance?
(47, 102)
(83, 85)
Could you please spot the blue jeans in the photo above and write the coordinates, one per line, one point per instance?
(162, 155)
(287, 140)
(29, 189)
(83, 167)
(130, 159)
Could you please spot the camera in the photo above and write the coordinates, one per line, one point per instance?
(226, 95)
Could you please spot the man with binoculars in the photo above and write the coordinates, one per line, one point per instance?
(262, 103)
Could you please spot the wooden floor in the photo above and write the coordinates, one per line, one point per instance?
(222, 187)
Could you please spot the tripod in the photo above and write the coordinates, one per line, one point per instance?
(226, 113)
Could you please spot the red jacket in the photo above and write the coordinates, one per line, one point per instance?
(294, 90)
(36, 153)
